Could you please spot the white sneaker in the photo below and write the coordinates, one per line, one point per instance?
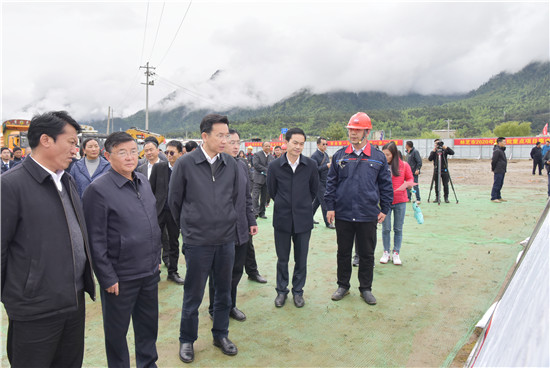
(396, 260)
(385, 257)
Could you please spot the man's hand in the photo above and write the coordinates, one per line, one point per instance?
(113, 289)
(417, 172)
(328, 165)
(330, 216)
(253, 230)
(381, 217)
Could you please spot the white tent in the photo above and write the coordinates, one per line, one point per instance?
(517, 334)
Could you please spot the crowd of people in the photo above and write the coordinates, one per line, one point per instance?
(116, 219)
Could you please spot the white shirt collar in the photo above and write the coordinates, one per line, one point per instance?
(56, 176)
(293, 165)
(210, 160)
(358, 152)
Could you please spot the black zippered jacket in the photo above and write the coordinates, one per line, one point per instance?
(38, 278)
(202, 202)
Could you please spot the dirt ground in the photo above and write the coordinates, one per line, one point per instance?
(454, 266)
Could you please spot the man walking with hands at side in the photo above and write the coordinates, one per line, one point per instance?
(359, 195)
(292, 182)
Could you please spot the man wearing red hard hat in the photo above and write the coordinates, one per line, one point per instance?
(358, 197)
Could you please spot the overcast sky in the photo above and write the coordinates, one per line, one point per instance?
(84, 57)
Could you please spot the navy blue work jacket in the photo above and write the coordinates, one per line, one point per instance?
(359, 187)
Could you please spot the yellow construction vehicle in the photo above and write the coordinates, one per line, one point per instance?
(140, 135)
(14, 134)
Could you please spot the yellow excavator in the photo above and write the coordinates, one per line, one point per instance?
(139, 135)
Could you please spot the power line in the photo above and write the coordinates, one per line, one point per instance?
(158, 27)
(176, 35)
(144, 34)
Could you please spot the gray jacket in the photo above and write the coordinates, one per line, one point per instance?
(202, 202)
(260, 163)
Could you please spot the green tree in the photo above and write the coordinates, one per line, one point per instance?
(513, 129)
(335, 132)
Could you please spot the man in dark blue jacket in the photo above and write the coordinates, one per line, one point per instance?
(46, 261)
(498, 167)
(359, 194)
(125, 240)
(323, 164)
(202, 197)
(292, 181)
(246, 227)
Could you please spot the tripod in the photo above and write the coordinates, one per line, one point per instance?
(440, 159)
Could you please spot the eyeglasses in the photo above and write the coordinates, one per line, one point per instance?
(124, 154)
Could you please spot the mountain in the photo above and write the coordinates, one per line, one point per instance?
(521, 96)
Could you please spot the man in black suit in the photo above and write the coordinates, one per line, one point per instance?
(292, 182)
(260, 162)
(159, 180)
(323, 164)
(7, 162)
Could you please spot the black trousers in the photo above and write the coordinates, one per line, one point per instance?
(445, 180)
(203, 261)
(364, 234)
(56, 341)
(259, 198)
(166, 221)
(250, 265)
(301, 247)
(138, 300)
(539, 164)
(238, 267)
(320, 201)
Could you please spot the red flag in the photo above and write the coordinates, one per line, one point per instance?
(545, 129)
(281, 136)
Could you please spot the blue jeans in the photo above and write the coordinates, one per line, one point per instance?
(497, 186)
(398, 210)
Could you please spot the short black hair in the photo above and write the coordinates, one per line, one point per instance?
(190, 146)
(233, 131)
(536, 144)
(209, 120)
(86, 141)
(409, 143)
(277, 147)
(15, 149)
(52, 124)
(154, 143)
(152, 140)
(116, 138)
(436, 140)
(175, 144)
(320, 139)
(3, 149)
(292, 131)
(500, 139)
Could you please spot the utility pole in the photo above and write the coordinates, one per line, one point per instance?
(108, 118)
(448, 128)
(147, 84)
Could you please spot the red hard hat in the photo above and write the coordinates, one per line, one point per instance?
(359, 121)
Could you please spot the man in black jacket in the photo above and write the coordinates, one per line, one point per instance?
(445, 151)
(46, 261)
(415, 162)
(260, 162)
(323, 164)
(159, 180)
(7, 162)
(498, 167)
(202, 197)
(293, 181)
(536, 155)
(125, 240)
(246, 227)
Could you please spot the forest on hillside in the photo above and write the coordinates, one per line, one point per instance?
(522, 97)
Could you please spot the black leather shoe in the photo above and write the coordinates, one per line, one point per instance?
(235, 313)
(280, 300)
(355, 262)
(315, 222)
(263, 216)
(226, 346)
(340, 293)
(447, 200)
(187, 354)
(175, 277)
(258, 278)
(331, 226)
(368, 297)
(299, 301)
